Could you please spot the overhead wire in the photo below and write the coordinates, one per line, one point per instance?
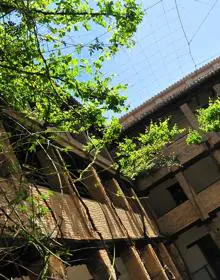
(185, 35)
(203, 21)
(172, 42)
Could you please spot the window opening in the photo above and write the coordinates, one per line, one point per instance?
(177, 193)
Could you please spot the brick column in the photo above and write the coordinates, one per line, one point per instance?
(119, 199)
(56, 269)
(192, 196)
(152, 228)
(152, 263)
(134, 264)
(100, 266)
(97, 191)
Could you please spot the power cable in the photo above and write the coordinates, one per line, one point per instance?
(203, 21)
(185, 35)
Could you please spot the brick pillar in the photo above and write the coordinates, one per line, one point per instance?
(134, 264)
(97, 191)
(56, 269)
(100, 266)
(119, 199)
(172, 258)
(152, 263)
(192, 196)
(151, 226)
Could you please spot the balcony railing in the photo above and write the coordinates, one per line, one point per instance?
(185, 214)
(184, 154)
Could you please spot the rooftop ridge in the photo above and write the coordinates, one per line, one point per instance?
(170, 92)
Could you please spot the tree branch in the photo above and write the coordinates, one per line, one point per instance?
(9, 7)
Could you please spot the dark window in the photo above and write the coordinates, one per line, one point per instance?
(177, 193)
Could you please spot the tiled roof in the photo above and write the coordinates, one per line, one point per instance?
(167, 95)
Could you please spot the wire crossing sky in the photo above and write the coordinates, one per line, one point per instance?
(175, 38)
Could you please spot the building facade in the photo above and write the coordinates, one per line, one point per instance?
(185, 199)
(98, 225)
(165, 225)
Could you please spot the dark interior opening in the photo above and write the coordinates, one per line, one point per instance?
(177, 193)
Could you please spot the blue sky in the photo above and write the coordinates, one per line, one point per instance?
(161, 55)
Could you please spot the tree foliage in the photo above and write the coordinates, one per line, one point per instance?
(209, 121)
(145, 152)
(47, 67)
(51, 58)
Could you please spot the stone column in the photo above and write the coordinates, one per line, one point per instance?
(100, 266)
(192, 196)
(152, 263)
(134, 264)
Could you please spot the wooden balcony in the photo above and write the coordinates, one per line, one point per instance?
(69, 218)
(178, 218)
(76, 219)
(184, 154)
(185, 214)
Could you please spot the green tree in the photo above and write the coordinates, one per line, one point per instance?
(47, 76)
(209, 121)
(145, 152)
(51, 71)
